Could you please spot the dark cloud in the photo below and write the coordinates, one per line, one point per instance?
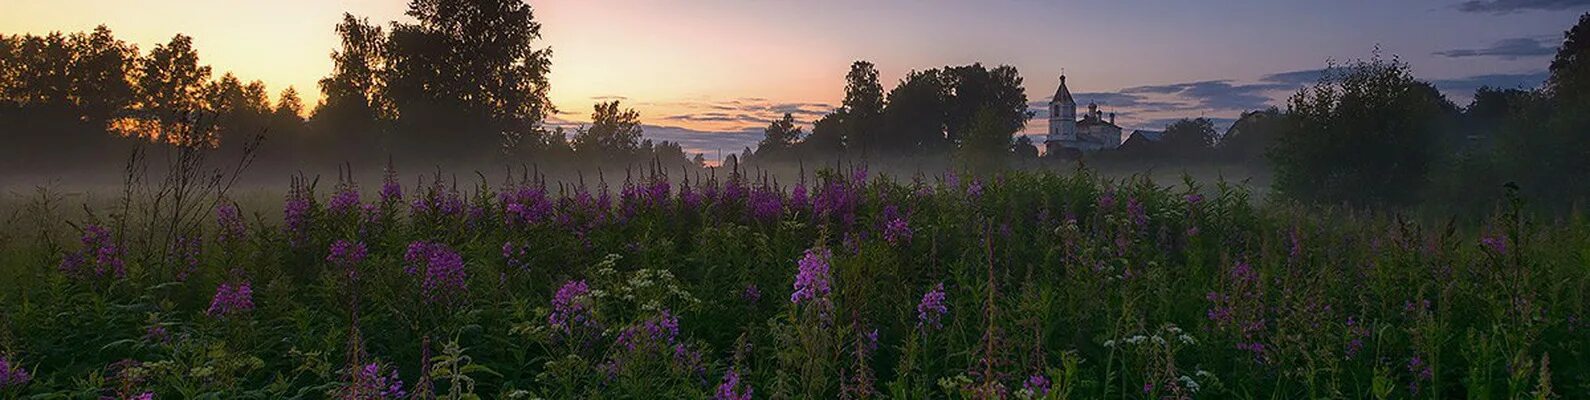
(1219, 94)
(751, 110)
(609, 98)
(1467, 85)
(1513, 6)
(1295, 78)
(1509, 49)
(717, 117)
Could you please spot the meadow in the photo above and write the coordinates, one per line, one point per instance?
(838, 284)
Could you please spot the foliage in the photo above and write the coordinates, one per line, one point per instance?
(1366, 134)
(613, 132)
(1026, 285)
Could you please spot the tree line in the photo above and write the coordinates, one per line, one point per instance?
(968, 112)
(1370, 133)
(463, 83)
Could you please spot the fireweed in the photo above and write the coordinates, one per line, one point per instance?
(896, 226)
(516, 256)
(1284, 301)
(184, 255)
(441, 272)
(346, 256)
(731, 387)
(346, 200)
(572, 312)
(229, 223)
(231, 299)
(812, 280)
(100, 258)
(296, 212)
(369, 383)
(12, 375)
(930, 311)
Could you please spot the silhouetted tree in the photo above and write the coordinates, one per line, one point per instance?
(240, 110)
(1546, 147)
(101, 73)
(1570, 68)
(778, 137)
(613, 134)
(863, 105)
(973, 88)
(827, 137)
(468, 68)
(913, 120)
(352, 96)
(1188, 138)
(1024, 150)
(1365, 135)
(987, 143)
(1247, 139)
(171, 79)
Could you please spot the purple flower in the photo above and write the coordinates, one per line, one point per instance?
(1137, 212)
(12, 375)
(859, 175)
(99, 258)
(751, 294)
(517, 256)
(1356, 331)
(185, 252)
(347, 255)
(346, 199)
(571, 309)
(144, 396)
(231, 299)
(765, 204)
(1421, 373)
(975, 189)
(295, 214)
(660, 331)
(1037, 384)
(444, 278)
(230, 222)
(812, 279)
(528, 205)
(1496, 244)
(730, 388)
(688, 198)
(798, 198)
(1194, 198)
(157, 333)
(1106, 200)
(930, 311)
(896, 227)
(391, 190)
(371, 384)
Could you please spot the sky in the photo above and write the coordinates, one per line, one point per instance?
(711, 73)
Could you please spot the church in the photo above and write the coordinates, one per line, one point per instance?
(1068, 134)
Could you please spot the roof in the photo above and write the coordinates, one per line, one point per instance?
(1090, 120)
(1063, 95)
(1152, 136)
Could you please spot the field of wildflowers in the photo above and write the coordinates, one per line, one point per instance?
(838, 285)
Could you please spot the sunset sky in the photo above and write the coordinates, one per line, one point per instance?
(711, 73)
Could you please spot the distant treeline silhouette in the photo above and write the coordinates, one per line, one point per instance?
(462, 84)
